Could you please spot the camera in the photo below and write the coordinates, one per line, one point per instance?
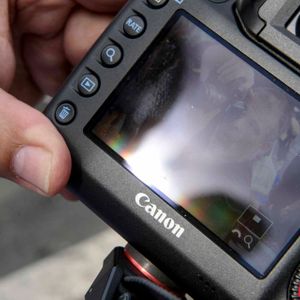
(183, 122)
(294, 25)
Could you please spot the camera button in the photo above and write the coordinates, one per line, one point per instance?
(111, 56)
(88, 85)
(134, 26)
(65, 113)
(157, 3)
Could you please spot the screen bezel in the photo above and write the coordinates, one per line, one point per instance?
(199, 226)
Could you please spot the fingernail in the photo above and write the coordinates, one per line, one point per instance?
(32, 165)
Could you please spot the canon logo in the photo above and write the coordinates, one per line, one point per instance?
(142, 200)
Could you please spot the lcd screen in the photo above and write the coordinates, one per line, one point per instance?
(215, 136)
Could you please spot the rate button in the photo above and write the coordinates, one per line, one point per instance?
(134, 26)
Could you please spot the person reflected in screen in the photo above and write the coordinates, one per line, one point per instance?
(249, 153)
(239, 139)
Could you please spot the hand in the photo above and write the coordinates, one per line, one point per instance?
(236, 72)
(40, 42)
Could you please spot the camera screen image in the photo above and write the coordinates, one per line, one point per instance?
(215, 137)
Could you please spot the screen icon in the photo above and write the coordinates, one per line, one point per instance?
(257, 223)
(248, 240)
(243, 237)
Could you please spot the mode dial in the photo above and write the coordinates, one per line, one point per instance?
(294, 287)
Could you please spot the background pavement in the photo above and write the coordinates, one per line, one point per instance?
(49, 248)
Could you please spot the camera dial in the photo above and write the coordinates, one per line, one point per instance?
(294, 287)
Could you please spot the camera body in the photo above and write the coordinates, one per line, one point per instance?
(153, 58)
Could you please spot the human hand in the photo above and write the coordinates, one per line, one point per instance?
(40, 42)
(235, 72)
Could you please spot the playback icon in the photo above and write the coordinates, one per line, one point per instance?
(88, 85)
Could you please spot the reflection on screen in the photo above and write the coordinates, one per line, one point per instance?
(214, 136)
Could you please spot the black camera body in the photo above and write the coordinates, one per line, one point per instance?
(183, 124)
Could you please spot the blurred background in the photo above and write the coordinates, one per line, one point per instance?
(49, 248)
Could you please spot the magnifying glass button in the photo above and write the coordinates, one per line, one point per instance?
(248, 239)
(111, 55)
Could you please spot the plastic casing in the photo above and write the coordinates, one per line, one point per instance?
(265, 22)
(194, 261)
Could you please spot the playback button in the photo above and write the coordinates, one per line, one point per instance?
(88, 85)
(65, 113)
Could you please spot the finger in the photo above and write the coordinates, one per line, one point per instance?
(23, 86)
(46, 62)
(102, 6)
(225, 65)
(69, 196)
(82, 30)
(43, 17)
(231, 74)
(32, 153)
(6, 50)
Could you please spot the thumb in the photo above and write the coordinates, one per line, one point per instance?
(32, 152)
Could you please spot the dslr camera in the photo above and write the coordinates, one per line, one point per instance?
(183, 122)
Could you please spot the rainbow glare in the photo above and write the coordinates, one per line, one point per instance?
(120, 145)
(193, 208)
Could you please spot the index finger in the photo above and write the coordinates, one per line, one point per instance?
(6, 48)
(103, 6)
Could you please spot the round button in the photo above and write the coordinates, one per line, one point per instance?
(111, 56)
(157, 3)
(65, 113)
(134, 26)
(88, 85)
